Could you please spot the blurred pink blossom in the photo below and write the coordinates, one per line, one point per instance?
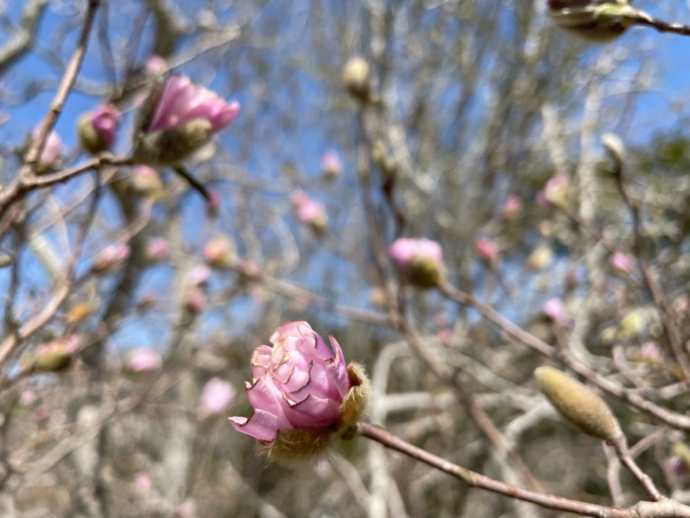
(141, 361)
(486, 249)
(331, 164)
(199, 275)
(323, 469)
(41, 413)
(555, 192)
(299, 383)
(156, 65)
(217, 396)
(111, 258)
(28, 397)
(182, 101)
(143, 482)
(185, 509)
(196, 302)
(404, 250)
(555, 310)
(445, 336)
(157, 250)
(621, 262)
(309, 211)
(219, 251)
(651, 352)
(511, 208)
(52, 150)
(678, 466)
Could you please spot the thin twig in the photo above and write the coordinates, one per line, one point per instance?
(665, 508)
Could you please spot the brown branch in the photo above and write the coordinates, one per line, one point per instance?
(621, 446)
(662, 26)
(26, 179)
(23, 39)
(664, 509)
(673, 419)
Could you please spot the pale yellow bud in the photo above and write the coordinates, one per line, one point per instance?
(356, 77)
(578, 404)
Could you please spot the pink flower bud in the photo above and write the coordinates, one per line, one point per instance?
(199, 275)
(219, 252)
(57, 355)
(98, 129)
(185, 509)
(182, 101)
(621, 262)
(52, 151)
(651, 352)
(554, 309)
(87, 493)
(196, 302)
(156, 65)
(486, 249)
(309, 211)
(143, 361)
(111, 258)
(420, 261)
(157, 250)
(217, 396)
(555, 192)
(299, 383)
(331, 164)
(678, 466)
(511, 208)
(28, 397)
(143, 482)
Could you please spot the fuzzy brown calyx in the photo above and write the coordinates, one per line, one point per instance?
(89, 138)
(293, 447)
(170, 147)
(588, 412)
(425, 272)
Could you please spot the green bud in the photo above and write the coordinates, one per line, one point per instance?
(90, 140)
(577, 404)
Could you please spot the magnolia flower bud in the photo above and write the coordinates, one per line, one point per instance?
(651, 352)
(419, 261)
(554, 309)
(156, 65)
(303, 395)
(52, 152)
(219, 252)
(157, 250)
(196, 302)
(217, 396)
(57, 355)
(97, 130)
(177, 119)
(486, 249)
(110, 259)
(614, 146)
(356, 78)
(621, 262)
(540, 258)
(511, 208)
(577, 404)
(331, 165)
(596, 21)
(140, 362)
(555, 192)
(310, 212)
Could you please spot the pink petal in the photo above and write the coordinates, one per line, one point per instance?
(261, 425)
(264, 395)
(338, 368)
(312, 412)
(319, 383)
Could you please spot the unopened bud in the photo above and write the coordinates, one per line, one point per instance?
(219, 252)
(596, 21)
(356, 78)
(57, 355)
(79, 312)
(614, 146)
(540, 258)
(578, 404)
(683, 452)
